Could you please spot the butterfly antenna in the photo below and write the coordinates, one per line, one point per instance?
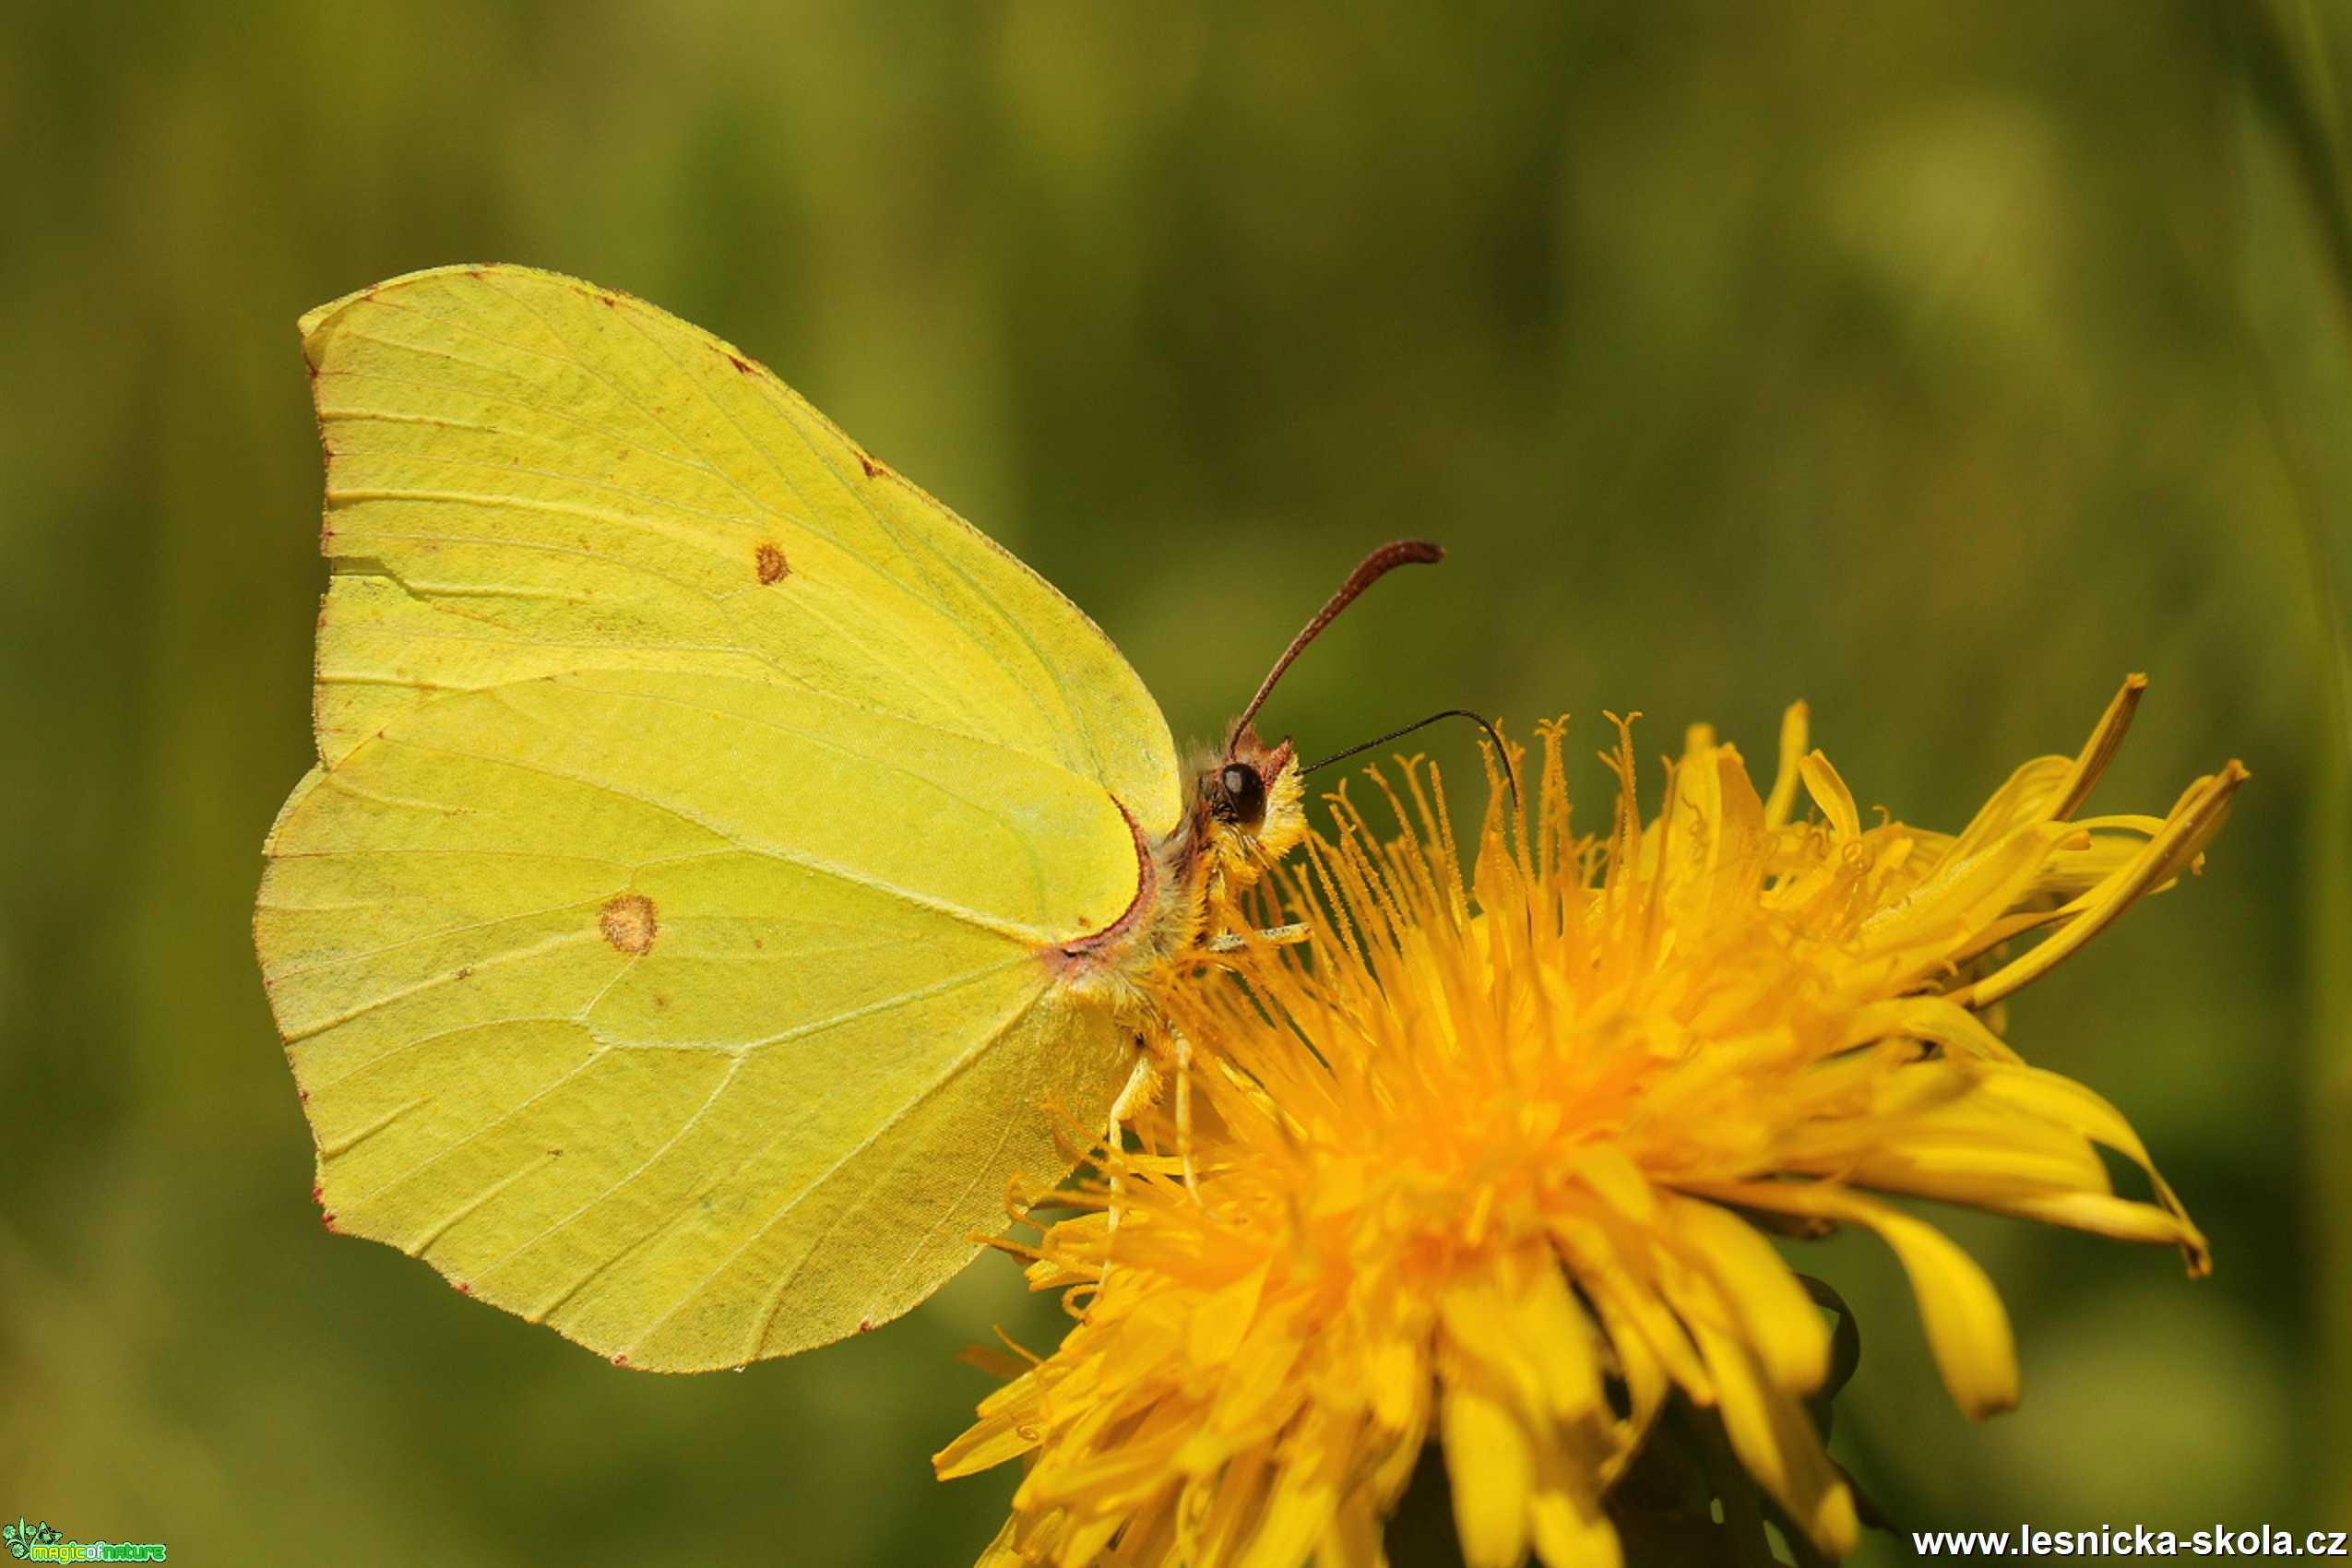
(1370, 570)
(1502, 753)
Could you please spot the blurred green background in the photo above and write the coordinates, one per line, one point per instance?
(1937, 365)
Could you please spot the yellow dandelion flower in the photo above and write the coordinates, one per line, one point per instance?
(1484, 1160)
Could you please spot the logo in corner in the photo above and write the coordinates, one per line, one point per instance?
(22, 1538)
(44, 1543)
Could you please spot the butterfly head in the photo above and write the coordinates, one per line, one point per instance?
(1248, 810)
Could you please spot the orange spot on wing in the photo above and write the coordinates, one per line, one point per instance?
(629, 923)
(872, 468)
(770, 562)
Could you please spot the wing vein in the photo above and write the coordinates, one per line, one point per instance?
(972, 918)
(341, 959)
(954, 1069)
(1028, 689)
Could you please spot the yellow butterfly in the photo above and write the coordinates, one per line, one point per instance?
(718, 852)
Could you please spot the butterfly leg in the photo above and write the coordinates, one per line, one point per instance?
(1142, 1084)
(1141, 1089)
(1233, 942)
(1183, 1053)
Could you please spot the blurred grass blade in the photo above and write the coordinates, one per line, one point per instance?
(2295, 265)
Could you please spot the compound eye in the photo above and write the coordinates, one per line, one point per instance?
(1244, 792)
